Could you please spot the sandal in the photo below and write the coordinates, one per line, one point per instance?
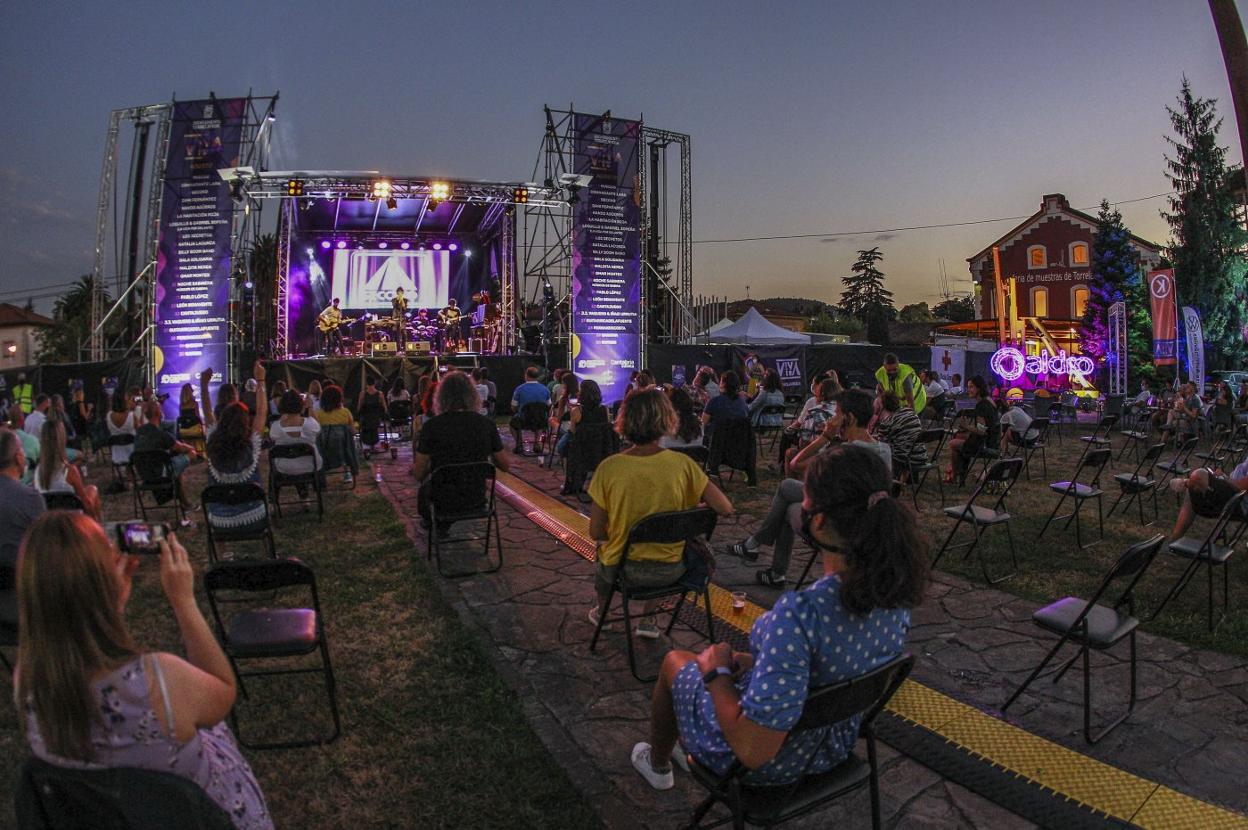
(768, 579)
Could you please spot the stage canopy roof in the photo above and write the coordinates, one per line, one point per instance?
(755, 329)
(408, 217)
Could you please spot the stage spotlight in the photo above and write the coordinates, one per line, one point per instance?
(342, 243)
(325, 243)
(381, 189)
(437, 246)
(294, 187)
(439, 191)
(452, 247)
(521, 196)
(249, 286)
(467, 252)
(383, 244)
(392, 203)
(422, 247)
(405, 245)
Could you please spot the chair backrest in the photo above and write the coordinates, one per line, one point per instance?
(671, 527)
(1000, 474)
(1041, 426)
(533, 416)
(62, 500)
(1188, 447)
(255, 575)
(189, 421)
(770, 410)
(50, 797)
(124, 439)
(1107, 423)
(866, 694)
(697, 452)
(295, 450)
(1094, 461)
(732, 443)
(1150, 457)
(1131, 566)
(936, 436)
(1113, 405)
(455, 487)
(401, 411)
(591, 443)
(152, 466)
(232, 494)
(1232, 513)
(337, 445)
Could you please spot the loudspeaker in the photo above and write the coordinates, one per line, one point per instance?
(476, 344)
(386, 347)
(419, 347)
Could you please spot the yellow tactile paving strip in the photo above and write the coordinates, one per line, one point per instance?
(1101, 787)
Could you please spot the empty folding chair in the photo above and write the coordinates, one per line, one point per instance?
(1091, 625)
(294, 465)
(863, 697)
(1177, 465)
(671, 528)
(463, 493)
(1055, 418)
(1099, 439)
(770, 425)
(1213, 551)
(154, 476)
(934, 439)
(270, 633)
(1080, 491)
(1000, 477)
(1136, 434)
(1028, 447)
(1218, 452)
(236, 497)
(1135, 484)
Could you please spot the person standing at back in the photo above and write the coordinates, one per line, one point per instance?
(898, 378)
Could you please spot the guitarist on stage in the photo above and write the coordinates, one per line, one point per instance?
(449, 318)
(330, 322)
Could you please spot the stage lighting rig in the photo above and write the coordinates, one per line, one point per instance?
(294, 187)
(236, 178)
(521, 196)
(381, 189)
(439, 191)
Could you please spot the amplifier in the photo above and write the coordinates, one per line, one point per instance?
(385, 347)
(420, 347)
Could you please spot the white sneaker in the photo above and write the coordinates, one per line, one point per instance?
(679, 757)
(647, 629)
(659, 779)
(346, 478)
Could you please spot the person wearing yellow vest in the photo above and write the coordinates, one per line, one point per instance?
(24, 394)
(898, 378)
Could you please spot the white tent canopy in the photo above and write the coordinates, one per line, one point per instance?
(753, 328)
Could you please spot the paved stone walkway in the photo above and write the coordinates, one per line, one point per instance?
(1190, 730)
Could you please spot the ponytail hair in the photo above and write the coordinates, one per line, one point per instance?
(886, 561)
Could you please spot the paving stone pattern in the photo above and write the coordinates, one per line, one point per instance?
(1190, 729)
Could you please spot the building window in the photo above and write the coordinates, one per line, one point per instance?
(10, 350)
(1037, 257)
(1078, 253)
(1039, 302)
(1078, 300)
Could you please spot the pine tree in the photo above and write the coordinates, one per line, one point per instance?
(1116, 277)
(1207, 241)
(866, 298)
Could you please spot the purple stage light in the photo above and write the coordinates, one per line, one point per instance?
(342, 243)
(325, 243)
(437, 246)
(405, 245)
(383, 244)
(452, 247)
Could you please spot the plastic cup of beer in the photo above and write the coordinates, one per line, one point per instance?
(738, 602)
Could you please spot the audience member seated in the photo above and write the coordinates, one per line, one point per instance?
(899, 428)
(275, 395)
(332, 412)
(77, 661)
(55, 474)
(152, 436)
(312, 400)
(457, 434)
(483, 390)
(588, 409)
(234, 456)
(704, 388)
(1205, 493)
(35, 420)
(190, 425)
(30, 444)
(771, 394)
(398, 391)
(936, 391)
(638, 482)
(292, 427)
(814, 412)
(784, 518)
(20, 504)
(725, 706)
(979, 428)
(529, 392)
(491, 399)
(729, 403)
(122, 420)
(688, 431)
(1016, 427)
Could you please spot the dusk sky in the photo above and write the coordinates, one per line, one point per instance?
(811, 117)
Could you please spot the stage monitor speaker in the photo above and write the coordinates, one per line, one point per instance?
(476, 344)
(386, 347)
(419, 347)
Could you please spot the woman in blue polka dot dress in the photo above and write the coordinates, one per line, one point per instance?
(725, 706)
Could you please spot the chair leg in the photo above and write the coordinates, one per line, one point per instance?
(710, 617)
(671, 621)
(874, 781)
(1036, 671)
(1048, 521)
(1177, 588)
(956, 524)
(602, 619)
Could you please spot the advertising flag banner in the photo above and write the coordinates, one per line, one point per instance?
(1165, 316)
(606, 253)
(1194, 337)
(193, 259)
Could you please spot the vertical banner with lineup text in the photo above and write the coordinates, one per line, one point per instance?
(606, 254)
(193, 261)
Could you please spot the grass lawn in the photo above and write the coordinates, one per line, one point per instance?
(431, 735)
(1053, 566)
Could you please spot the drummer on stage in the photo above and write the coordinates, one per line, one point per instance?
(399, 313)
(449, 318)
(330, 321)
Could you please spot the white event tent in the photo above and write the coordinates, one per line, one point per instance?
(754, 329)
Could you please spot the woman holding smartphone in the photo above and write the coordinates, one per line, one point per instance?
(89, 695)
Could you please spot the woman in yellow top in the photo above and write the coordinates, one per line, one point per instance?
(643, 480)
(332, 412)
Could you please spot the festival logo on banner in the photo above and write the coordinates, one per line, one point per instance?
(1164, 303)
(788, 361)
(193, 260)
(606, 254)
(1195, 337)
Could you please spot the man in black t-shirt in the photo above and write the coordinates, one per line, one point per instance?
(456, 435)
(150, 436)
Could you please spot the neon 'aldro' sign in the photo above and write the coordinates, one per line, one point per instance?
(1011, 364)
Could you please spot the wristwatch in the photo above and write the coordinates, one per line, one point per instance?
(710, 676)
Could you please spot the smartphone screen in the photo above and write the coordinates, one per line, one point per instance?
(138, 538)
(574, 401)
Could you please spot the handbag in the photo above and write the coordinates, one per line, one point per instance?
(699, 562)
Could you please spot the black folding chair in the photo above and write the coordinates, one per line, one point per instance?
(304, 480)
(1094, 462)
(1134, 485)
(772, 431)
(587, 447)
(122, 470)
(1000, 477)
(399, 414)
(1028, 447)
(825, 707)
(1100, 435)
(51, 797)
(1091, 625)
(233, 495)
(153, 475)
(1055, 418)
(733, 446)
(532, 417)
(670, 528)
(463, 493)
(1221, 448)
(1213, 551)
(1139, 432)
(697, 452)
(919, 472)
(1177, 466)
(272, 633)
(62, 500)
